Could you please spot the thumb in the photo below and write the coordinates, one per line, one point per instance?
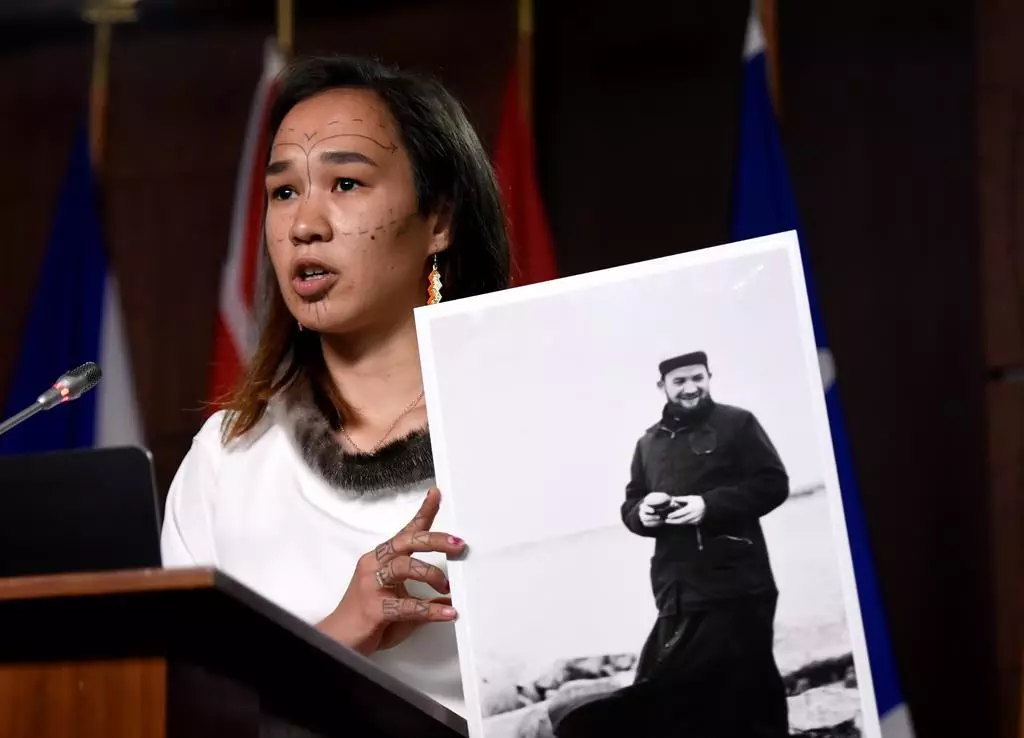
(427, 512)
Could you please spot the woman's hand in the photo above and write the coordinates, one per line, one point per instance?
(376, 611)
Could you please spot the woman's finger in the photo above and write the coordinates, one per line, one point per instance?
(396, 610)
(428, 511)
(417, 541)
(403, 568)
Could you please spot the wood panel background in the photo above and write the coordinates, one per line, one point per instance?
(901, 126)
(1001, 188)
(880, 120)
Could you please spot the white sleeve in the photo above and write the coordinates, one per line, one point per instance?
(186, 538)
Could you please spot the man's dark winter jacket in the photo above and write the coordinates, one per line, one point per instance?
(723, 455)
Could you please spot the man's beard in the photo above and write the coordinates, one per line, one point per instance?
(681, 411)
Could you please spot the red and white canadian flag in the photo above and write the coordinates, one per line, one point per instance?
(237, 328)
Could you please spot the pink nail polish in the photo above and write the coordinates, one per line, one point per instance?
(454, 541)
(448, 612)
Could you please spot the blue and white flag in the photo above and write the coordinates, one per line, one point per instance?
(75, 317)
(764, 204)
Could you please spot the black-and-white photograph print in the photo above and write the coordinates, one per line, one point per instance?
(640, 462)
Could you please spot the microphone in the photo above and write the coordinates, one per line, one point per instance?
(69, 386)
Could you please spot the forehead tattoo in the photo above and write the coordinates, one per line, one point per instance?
(313, 139)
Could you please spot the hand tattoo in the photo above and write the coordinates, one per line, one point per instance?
(421, 539)
(385, 551)
(417, 523)
(405, 609)
(419, 568)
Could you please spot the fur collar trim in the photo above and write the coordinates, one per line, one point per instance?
(401, 465)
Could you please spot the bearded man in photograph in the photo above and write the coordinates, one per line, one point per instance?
(701, 478)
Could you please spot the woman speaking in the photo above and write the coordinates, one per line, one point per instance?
(313, 484)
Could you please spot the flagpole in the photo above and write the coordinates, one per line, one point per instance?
(102, 32)
(285, 27)
(769, 14)
(524, 58)
(102, 14)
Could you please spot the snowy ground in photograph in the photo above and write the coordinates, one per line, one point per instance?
(535, 666)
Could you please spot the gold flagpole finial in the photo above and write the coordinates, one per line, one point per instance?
(769, 15)
(525, 17)
(524, 57)
(285, 27)
(102, 14)
(109, 11)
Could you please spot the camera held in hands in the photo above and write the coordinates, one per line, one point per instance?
(662, 504)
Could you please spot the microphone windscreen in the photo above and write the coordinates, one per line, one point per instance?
(81, 379)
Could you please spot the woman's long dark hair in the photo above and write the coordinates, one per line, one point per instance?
(450, 169)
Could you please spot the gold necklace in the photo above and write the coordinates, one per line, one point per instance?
(387, 433)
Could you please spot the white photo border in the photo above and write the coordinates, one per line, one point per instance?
(786, 242)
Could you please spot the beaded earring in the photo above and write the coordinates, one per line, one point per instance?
(434, 285)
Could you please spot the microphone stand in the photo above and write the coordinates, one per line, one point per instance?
(21, 417)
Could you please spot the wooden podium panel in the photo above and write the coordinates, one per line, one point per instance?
(91, 698)
(186, 653)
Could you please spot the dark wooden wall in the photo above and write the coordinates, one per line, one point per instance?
(637, 112)
(880, 117)
(1000, 79)
(637, 119)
